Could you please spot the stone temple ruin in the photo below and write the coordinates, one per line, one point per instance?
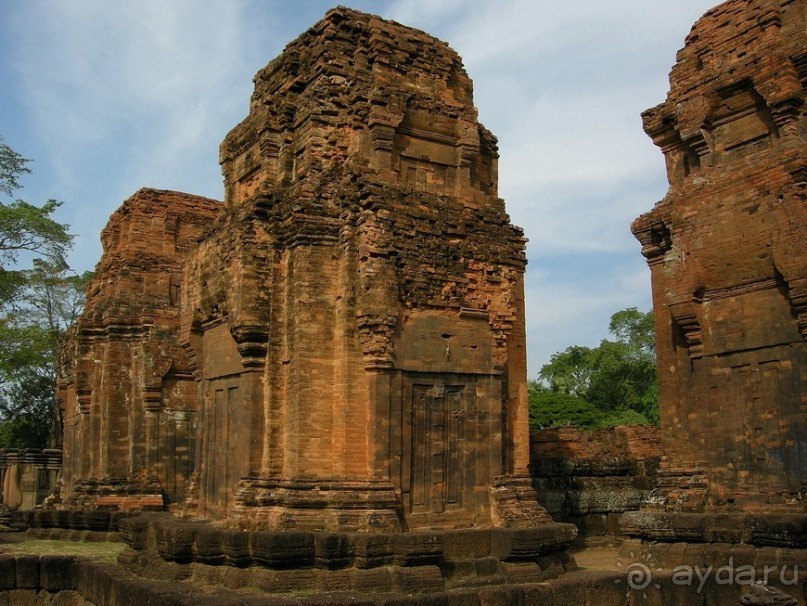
(348, 348)
(323, 378)
(726, 248)
(126, 388)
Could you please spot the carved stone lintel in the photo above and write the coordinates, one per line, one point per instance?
(655, 239)
(84, 399)
(686, 317)
(252, 342)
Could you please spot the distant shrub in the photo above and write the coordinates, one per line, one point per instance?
(555, 409)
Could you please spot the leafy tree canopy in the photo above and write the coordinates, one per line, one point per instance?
(49, 301)
(613, 383)
(36, 306)
(25, 228)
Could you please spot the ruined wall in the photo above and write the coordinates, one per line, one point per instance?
(356, 315)
(27, 476)
(125, 387)
(591, 477)
(726, 248)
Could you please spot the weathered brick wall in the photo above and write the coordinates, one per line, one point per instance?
(125, 387)
(726, 248)
(590, 478)
(367, 278)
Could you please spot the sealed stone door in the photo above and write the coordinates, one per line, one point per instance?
(438, 431)
(450, 438)
(223, 399)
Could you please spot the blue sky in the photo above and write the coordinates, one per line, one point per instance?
(110, 96)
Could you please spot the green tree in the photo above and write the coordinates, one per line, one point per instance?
(48, 303)
(616, 379)
(25, 228)
(36, 305)
(569, 371)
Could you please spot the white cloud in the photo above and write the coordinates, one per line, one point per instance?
(127, 95)
(122, 95)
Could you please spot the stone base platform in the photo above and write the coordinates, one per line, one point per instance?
(365, 506)
(75, 581)
(283, 562)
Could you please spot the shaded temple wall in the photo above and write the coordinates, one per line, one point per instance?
(125, 388)
(726, 249)
(356, 314)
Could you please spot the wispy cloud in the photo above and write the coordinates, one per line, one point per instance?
(126, 95)
(120, 95)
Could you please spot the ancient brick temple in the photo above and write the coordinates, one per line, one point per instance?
(726, 248)
(351, 325)
(355, 316)
(126, 389)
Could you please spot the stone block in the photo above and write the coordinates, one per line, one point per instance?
(8, 572)
(419, 579)
(287, 549)
(333, 550)
(374, 550)
(371, 580)
(468, 544)
(27, 572)
(134, 531)
(22, 597)
(419, 548)
(57, 573)
(208, 545)
(175, 541)
(236, 547)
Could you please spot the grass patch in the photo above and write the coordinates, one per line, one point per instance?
(95, 550)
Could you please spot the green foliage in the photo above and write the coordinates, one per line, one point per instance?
(36, 306)
(25, 228)
(616, 380)
(12, 166)
(556, 409)
(50, 301)
(27, 406)
(569, 371)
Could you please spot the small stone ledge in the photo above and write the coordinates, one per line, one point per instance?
(118, 494)
(77, 582)
(48, 572)
(65, 534)
(765, 564)
(29, 579)
(351, 506)
(770, 529)
(92, 520)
